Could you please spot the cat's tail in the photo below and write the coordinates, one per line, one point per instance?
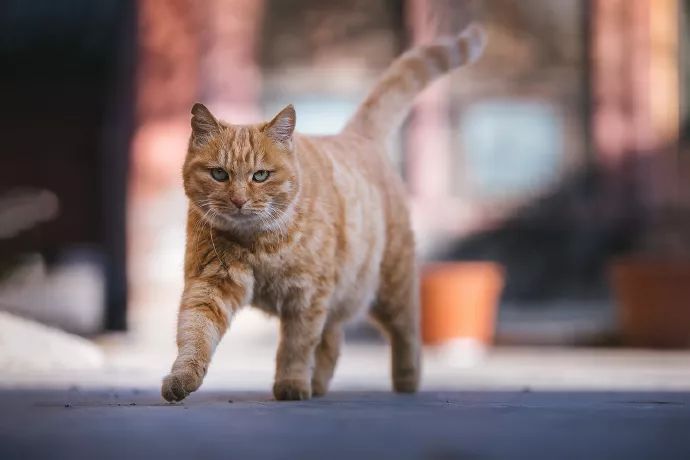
(388, 102)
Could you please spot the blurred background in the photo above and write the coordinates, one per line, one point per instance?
(549, 182)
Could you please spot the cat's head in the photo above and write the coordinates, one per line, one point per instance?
(242, 178)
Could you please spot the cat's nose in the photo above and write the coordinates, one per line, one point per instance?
(238, 201)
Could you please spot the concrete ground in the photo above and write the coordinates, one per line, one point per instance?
(66, 398)
(75, 424)
(512, 403)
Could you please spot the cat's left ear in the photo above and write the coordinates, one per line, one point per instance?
(280, 129)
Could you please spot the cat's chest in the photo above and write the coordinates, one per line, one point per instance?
(275, 279)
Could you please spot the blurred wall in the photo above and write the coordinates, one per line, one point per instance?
(66, 119)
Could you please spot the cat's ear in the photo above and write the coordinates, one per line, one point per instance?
(204, 124)
(282, 126)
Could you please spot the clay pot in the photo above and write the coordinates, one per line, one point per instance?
(459, 301)
(653, 302)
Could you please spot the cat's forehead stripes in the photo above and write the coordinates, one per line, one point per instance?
(241, 148)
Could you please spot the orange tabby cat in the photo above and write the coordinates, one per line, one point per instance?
(312, 229)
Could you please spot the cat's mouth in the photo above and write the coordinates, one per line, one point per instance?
(240, 215)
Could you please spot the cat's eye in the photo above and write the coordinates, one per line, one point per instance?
(260, 175)
(219, 174)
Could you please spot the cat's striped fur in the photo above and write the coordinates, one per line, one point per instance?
(326, 236)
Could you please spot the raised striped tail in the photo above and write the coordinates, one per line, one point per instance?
(389, 101)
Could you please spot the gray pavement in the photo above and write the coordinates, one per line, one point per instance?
(126, 423)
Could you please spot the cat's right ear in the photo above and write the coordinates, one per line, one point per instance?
(204, 124)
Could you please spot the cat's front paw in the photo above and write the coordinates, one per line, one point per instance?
(179, 384)
(291, 390)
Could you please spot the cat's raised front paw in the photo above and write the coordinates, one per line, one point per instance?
(177, 385)
(291, 390)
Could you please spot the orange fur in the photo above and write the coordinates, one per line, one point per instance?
(325, 236)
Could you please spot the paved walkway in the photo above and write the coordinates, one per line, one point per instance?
(77, 424)
(513, 403)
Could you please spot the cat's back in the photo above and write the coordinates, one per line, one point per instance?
(356, 158)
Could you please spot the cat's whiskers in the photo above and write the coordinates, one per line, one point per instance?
(200, 226)
(275, 220)
(213, 244)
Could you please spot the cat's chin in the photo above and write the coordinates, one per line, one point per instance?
(244, 222)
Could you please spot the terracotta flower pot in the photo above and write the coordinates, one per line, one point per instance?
(653, 302)
(459, 301)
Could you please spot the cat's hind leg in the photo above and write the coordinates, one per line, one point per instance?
(396, 310)
(326, 355)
